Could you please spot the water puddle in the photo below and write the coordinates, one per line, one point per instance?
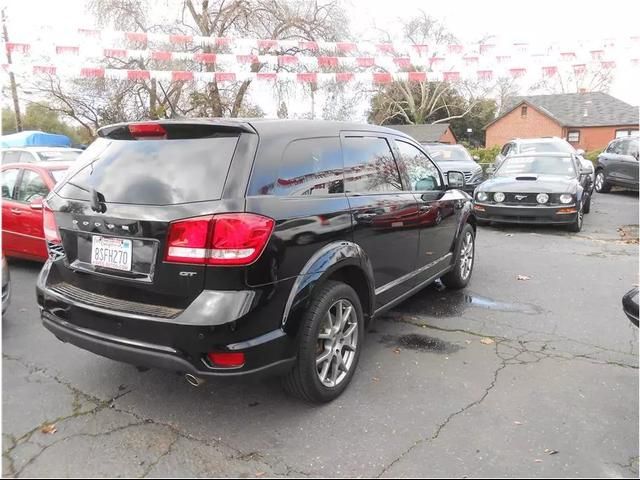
(437, 301)
(420, 343)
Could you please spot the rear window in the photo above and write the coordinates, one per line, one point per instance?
(57, 156)
(152, 172)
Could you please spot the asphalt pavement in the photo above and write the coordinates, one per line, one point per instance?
(530, 371)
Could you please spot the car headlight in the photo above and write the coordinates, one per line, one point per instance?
(498, 197)
(566, 198)
(542, 198)
(482, 196)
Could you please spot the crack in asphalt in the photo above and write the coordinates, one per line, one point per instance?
(541, 354)
(152, 465)
(101, 405)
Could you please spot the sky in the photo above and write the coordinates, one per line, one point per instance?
(562, 21)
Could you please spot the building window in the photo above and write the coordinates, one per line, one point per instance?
(523, 111)
(625, 133)
(573, 136)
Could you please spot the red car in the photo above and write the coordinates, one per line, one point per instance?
(24, 186)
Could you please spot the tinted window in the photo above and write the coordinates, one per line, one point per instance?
(59, 155)
(9, 178)
(632, 147)
(449, 153)
(151, 172)
(31, 187)
(538, 165)
(10, 157)
(423, 174)
(615, 148)
(505, 149)
(369, 165)
(311, 166)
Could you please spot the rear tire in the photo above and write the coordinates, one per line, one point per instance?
(465, 257)
(602, 186)
(324, 333)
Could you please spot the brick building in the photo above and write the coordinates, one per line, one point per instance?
(428, 133)
(586, 120)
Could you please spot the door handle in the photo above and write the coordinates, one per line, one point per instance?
(16, 211)
(425, 208)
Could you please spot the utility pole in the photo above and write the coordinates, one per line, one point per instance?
(12, 78)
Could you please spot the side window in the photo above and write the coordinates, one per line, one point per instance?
(26, 157)
(505, 149)
(10, 156)
(633, 147)
(610, 147)
(311, 166)
(423, 174)
(616, 147)
(9, 178)
(369, 166)
(31, 187)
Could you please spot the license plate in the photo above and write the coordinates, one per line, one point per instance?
(111, 252)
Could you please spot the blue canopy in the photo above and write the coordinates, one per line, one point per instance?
(33, 138)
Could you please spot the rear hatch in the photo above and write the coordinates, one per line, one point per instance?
(115, 209)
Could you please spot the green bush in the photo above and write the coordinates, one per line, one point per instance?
(486, 156)
(593, 155)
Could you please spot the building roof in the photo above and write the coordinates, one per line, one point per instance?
(592, 109)
(424, 133)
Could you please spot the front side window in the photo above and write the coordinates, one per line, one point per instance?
(32, 187)
(10, 156)
(311, 166)
(423, 174)
(26, 157)
(505, 149)
(369, 166)
(9, 178)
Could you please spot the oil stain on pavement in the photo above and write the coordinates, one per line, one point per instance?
(421, 343)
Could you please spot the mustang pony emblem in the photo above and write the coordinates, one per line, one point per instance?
(521, 197)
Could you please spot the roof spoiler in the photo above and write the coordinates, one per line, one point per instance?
(178, 129)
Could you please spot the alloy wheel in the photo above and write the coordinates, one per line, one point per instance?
(337, 343)
(466, 256)
(599, 181)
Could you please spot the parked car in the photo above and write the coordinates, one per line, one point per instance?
(630, 305)
(6, 284)
(24, 186)
(457, 158)
(39, 154)
(543, 145)
(187, 269)
(547, 188)
(618, 165)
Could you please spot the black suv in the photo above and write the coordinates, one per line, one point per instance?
(618, 165)
(169, 246)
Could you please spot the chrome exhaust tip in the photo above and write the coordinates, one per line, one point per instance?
(193, 380)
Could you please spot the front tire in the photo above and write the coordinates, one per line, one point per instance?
(602, 186)
(330, 339)
(587, 205)
(576, 226)
(461, 274)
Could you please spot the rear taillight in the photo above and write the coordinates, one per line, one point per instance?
(51, 233)
(226, 359)
(147, 130)
(225, 239)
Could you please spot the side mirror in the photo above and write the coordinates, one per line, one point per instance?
(455, 179)
(476, 158)
(580, 152)
(490, 170)
(36, 204)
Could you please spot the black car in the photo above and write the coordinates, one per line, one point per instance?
(549, 188)
(456, 158)
(630, 305)
(167, 245)
(618, 165)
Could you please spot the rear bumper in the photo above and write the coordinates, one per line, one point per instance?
(533, 214)
(178, 345)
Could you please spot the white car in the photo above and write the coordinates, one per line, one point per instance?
(38, 154)
(542, 145)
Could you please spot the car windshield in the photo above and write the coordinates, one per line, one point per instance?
(57, 155)
(547, 165)
(559, 147)
(448, 153)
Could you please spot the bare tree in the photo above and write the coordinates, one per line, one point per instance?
(588, 79)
